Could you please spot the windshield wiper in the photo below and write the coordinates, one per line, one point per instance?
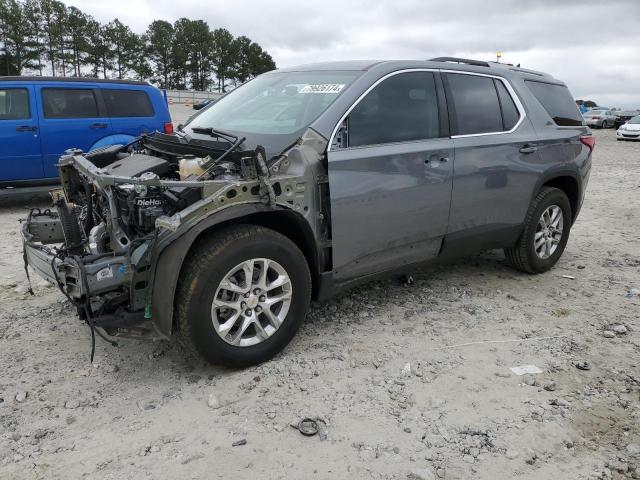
(208, 166)
(213, 132)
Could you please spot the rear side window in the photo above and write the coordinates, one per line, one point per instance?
(14, 104)
(475, 104)
(127, 103)
(402, 108)
(558, 103)
(69, 103)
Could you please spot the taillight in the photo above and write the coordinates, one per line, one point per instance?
(596, 118)
(168, 128)
(589, 141)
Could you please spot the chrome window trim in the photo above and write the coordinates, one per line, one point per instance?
(507, 85)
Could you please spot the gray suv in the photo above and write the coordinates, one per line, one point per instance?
(302, 182)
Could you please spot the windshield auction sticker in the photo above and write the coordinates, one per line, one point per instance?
(323, 88)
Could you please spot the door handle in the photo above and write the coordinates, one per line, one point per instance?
(528, 148)
(98, 125)
(26, 128)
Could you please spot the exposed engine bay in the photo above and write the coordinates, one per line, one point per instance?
(122, 205)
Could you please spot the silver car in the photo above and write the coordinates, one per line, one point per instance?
(629, 130)
(599, 118)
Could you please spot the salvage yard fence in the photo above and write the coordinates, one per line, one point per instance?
(189, 97)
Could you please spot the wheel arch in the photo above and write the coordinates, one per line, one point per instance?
(570, 186)
(113, 139)
(171, 260)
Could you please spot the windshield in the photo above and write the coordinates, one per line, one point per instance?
(275, 103)
(635, 120)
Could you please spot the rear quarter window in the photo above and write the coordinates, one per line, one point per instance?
(558, 102)
(127, 103)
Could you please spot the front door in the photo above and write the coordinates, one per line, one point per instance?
(71, 117)
(20, 157)
(390, 178)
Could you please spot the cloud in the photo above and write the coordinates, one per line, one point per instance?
(592, 45)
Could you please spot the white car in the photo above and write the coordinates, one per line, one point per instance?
(629, 130)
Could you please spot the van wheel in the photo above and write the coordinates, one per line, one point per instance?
(242, 296)
(545, 234)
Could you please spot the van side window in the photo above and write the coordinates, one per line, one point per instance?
(127, 103)
(401, 108)
(558, 102)
(69, 103)
(14, 104)
(475, 104)
(510, 114)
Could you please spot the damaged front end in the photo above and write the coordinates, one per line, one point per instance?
(119, 207)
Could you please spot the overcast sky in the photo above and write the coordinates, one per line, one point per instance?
(592, 45)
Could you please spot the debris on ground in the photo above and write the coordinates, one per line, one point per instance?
(583, 366)
(526, 370)
(312, 426)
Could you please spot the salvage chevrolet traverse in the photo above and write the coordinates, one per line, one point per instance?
(307, 180)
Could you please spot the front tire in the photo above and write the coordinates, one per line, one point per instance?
(547, 226)
(242, 296)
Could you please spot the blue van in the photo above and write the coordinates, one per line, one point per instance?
(41, 117)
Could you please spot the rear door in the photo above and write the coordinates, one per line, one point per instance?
(71, 116)
(497, 163)
(390, 167)
(130, 110)
(20, 156)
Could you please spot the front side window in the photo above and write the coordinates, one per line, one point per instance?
(278, 103)
(127, 103)
(14, 104)
(69, 103)
(402, 108)
(558, 103)
(475, 104)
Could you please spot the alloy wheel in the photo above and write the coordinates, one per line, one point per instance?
(251, 302)
(548, 232)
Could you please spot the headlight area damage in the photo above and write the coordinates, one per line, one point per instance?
(121, 206)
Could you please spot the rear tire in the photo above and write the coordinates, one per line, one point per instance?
(205, 278)
(529, 255)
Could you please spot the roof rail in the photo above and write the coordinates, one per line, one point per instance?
(477, 63)
(37, 78)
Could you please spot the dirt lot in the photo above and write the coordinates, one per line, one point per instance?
(413, 381)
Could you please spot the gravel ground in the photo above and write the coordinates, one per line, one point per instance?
(412, 381)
